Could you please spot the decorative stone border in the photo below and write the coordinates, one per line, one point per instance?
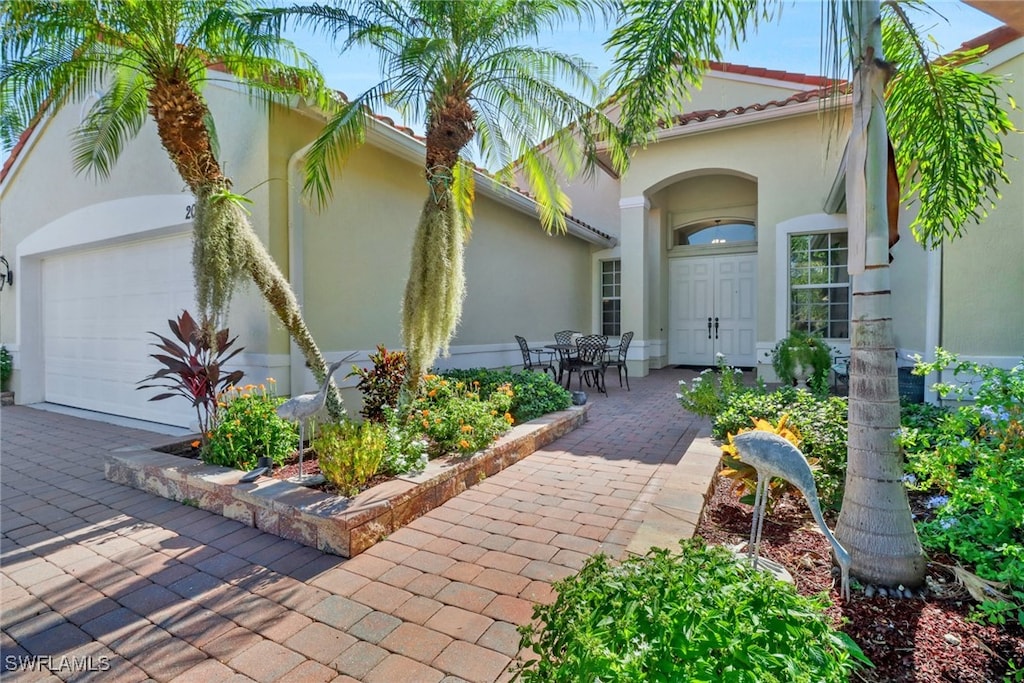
(333, 524)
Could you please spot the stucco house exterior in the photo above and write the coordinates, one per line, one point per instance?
(711, 225)
(98, 263)
(721, 219)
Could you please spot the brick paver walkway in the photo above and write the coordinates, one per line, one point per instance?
(100, 576)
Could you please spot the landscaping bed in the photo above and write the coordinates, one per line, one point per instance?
(334, 524)
(925, 640)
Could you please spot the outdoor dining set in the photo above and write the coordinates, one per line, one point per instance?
(587, 355)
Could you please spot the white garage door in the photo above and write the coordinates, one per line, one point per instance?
(98, 307)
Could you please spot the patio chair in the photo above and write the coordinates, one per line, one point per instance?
(590, 361)
(619, 362)
(566, 356)
(544, 361)
(840, 372)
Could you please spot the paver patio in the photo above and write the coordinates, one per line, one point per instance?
(104, 582)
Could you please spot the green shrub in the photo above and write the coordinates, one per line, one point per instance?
(533, 393)
(407, 447)
(452, 414)
(246, 428)
(821, 422)
(382, 384)
(697, 616)
(710, 392)
(350, 454)
(921, 415)
(972, 459)
(6, 367)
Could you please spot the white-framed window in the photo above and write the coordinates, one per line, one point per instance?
(715, 232)
(819, 284)
(611, 297)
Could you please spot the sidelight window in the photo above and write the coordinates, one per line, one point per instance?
(611, 297)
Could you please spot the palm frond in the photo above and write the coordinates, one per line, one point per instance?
(111, 122)
(343, 133)
(464, 192)
(662, 48)
(947, 122)
(542, 178)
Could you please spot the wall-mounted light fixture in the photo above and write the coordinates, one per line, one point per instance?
(6, 274)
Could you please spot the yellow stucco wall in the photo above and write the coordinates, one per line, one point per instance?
(519, 280)
(785, 161)
(43, 186)
(983, 272)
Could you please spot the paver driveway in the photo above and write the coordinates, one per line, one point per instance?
(104, 582)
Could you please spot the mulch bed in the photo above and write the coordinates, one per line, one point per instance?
(923, 640)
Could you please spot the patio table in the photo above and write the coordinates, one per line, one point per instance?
(567, 354)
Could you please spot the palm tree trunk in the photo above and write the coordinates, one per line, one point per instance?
(180, 115)
(277, 291)
(875, 524)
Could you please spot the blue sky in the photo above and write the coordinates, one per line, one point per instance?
(791, 44)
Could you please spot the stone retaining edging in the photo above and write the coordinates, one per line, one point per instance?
(330, 523)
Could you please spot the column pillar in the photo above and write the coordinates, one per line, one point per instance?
(635, 288)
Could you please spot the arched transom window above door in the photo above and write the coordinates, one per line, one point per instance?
(717, 231)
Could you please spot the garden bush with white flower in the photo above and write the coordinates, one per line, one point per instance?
(972, 460)
(709, 393)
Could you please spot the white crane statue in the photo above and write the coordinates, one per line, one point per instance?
(773, 456)
(305, 406)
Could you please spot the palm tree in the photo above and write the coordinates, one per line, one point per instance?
(154, 58)
(941, 112)
(468, 69)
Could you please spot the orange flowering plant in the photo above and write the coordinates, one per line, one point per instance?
(454, 417)
(246, 427)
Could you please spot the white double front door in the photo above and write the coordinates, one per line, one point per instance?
(712, 309)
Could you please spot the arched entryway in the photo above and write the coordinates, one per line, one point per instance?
(712, 269)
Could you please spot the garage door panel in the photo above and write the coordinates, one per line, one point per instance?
(98, 307)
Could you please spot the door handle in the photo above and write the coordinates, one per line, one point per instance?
(716, 327)
(709, 327)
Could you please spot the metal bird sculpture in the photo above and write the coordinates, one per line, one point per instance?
(773, 456)
(305, 406)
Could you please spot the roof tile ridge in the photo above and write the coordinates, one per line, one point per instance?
(763, 72)
(996, 38)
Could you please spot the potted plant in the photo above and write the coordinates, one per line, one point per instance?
(802, 357)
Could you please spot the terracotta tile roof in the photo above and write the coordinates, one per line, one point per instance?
(774, 74)
(16, 150)
(706, 114)
(996, 38)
